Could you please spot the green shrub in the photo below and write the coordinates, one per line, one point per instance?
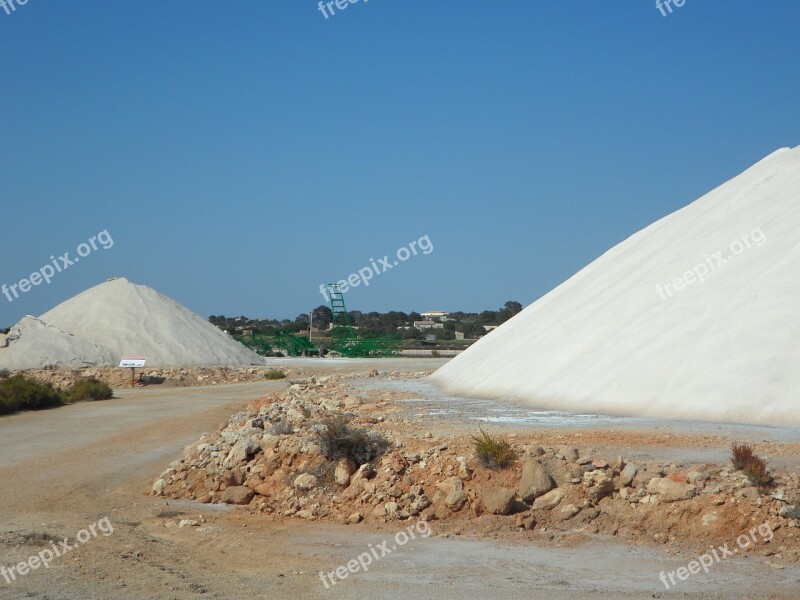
(5, 373)
(339, 440)
(87, 388)
(274, 374)
(751, 464)
(494, 453)
(23, 393)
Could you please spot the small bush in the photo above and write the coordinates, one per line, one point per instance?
(757, 473)
(494, 453)
(23, 393)
(339, 440)
(745, 459)
(741, 455)
(87, 388)
(274, 374)
(5, 373)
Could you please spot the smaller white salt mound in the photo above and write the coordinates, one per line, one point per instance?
(33, 344)
(136, 320)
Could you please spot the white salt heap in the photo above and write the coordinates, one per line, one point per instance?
(662, 324)
(115, 319)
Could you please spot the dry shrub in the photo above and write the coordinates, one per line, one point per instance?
(745, 459)
(741, 455)
(493, 452)
(339, 440)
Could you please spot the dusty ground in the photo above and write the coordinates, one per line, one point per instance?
(65, 469)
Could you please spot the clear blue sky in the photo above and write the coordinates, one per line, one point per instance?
(242, 153)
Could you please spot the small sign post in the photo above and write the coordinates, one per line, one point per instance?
(132, 362)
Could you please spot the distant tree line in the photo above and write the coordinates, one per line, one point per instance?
(394, 322)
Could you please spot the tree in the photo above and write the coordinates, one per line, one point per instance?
(323, 316)
(510, 309)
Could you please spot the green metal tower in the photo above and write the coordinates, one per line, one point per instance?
(344, 339)
(341, 330)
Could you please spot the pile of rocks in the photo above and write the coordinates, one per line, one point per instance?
(271, 457)
(193, 376)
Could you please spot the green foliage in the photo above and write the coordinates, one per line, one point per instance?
(372, 323)
(274, 374)
(87, 388)
(339, 440)
(23, 393)
(493, 452)
(5, 373)
(19, 392)
(745, 459)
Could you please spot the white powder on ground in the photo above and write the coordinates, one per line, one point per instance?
(610, 341)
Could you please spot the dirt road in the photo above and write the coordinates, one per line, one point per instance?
(64, 470)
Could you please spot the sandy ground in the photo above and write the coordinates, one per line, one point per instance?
(65, 469)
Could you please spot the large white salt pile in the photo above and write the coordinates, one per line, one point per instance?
(125, 319)
(718, 340)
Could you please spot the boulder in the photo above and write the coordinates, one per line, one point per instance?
(534, 482)
(568, 511)
(420, 503)
(237, 494)
(599, 484)
(344, 470)
(670, 491)
(453, 490)
(158, 487)
(391, 509)
(790, 511)
(241, 452)
(627, 475)
(263, 489)
(549, 500)
(305, 482)
(498, 500)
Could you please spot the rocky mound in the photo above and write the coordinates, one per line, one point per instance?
(273, 458)
(694, 317)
